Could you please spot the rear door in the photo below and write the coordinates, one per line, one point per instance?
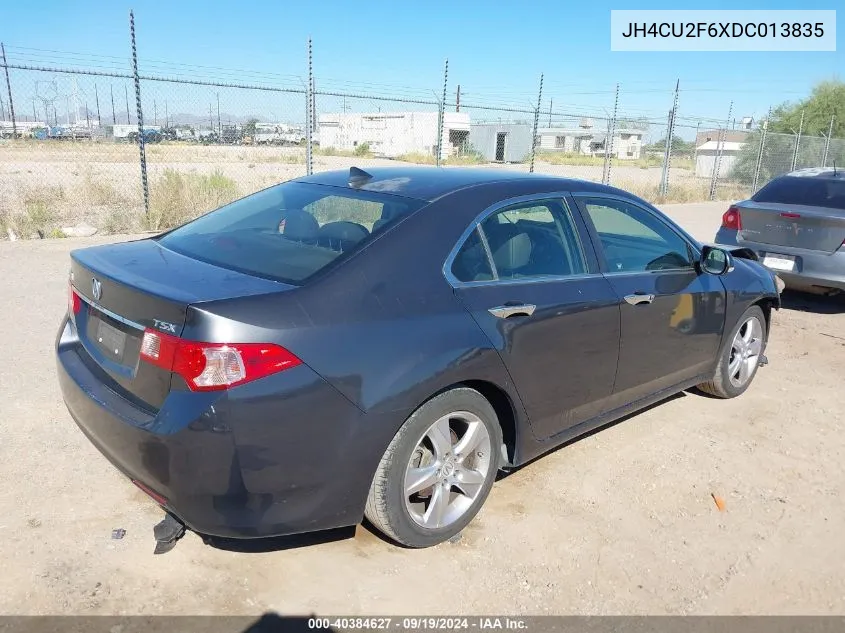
(528, 275)
(672, 316)
(805, 212)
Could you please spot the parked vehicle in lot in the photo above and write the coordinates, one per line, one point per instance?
(381, 344)
(796, 224)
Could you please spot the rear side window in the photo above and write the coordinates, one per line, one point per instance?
(290, 231)
(533, 239)
(805, 190)
(471, 263)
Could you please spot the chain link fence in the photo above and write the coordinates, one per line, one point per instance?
(75, 153)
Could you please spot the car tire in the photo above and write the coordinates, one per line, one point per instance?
(464, 477)
(724, 383)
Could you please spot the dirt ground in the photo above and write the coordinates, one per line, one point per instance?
(620, 522)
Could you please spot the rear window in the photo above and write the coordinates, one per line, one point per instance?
(806, 190)
(290, 231)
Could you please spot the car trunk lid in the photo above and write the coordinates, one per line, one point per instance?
(128, 287)
(791, 225)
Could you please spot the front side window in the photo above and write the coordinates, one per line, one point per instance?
(528, 240)
(634, 240)
(290, 231)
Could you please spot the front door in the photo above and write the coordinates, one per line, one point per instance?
(672, 315)
(523, 276)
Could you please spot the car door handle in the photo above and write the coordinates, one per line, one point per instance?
(637, 298)
(507, 310)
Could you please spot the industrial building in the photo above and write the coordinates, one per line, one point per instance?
(392, 134)
(501, 142)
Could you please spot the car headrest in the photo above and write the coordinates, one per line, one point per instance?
(347, 231)
(297, 224)
(514, 253)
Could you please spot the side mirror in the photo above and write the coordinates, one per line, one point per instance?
(715, 261)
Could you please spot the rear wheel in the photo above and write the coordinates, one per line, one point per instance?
(740, 357)
(438, 470)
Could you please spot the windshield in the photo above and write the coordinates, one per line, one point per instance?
(290, 231)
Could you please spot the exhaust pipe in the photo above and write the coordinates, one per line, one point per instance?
(167, 532)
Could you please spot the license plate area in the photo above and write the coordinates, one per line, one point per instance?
(775, 261)
(110, 340)
(114, 345)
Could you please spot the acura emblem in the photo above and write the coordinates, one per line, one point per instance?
(96, 288)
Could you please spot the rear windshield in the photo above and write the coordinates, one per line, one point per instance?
(290, 231)
(806, 190)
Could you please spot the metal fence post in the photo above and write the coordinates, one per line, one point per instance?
(609, 151)
(442, 115)
(536, 123)
(309, 159)
(797, 142)
(9, 89)
(827, 140)
(714, 182)
(141, 149)
(670, 137)
(765, 129)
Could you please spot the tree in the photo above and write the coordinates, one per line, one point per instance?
(826, 99)
(249, 127)
(678, 145)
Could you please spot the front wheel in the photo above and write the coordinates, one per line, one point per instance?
(438, 470)
(740, 356)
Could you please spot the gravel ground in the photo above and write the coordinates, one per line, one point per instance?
(620, 522)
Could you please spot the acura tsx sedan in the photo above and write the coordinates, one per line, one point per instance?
(380, 345)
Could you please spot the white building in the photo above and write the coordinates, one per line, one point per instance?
(391, 134)
(627, 143)
(707, 154)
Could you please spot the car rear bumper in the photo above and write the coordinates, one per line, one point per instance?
(284, 455)
(812, 268)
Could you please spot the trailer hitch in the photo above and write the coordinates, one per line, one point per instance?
(167, 532)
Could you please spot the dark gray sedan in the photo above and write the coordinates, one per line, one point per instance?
(796, 225)
(381, 344)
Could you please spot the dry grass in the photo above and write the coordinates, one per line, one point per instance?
(177, 197)
(420, 158)
(646, 161)
(688, 191)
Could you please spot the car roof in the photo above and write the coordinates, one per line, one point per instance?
(823, 173)
(431, 183)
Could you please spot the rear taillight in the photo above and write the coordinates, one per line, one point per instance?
(731, 219)
(214, 366)
(159, 499)
(74, 303)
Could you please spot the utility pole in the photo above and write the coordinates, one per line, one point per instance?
(219, 128)
(113, 113)
(458, 99)
(166, 117)
(155, 112)
(551, 100)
